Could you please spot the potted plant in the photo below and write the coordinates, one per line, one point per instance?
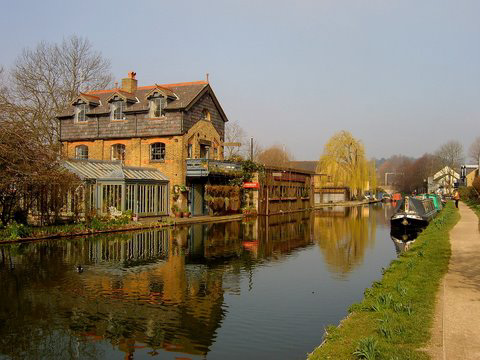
(186, 213)
(176, 210)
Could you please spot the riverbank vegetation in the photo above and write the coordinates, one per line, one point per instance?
(394, 319)
(38, 87)
(15, 231)
(471, 196)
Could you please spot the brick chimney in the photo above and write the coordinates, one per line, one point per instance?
(129, 83)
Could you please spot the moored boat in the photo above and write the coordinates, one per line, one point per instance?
(413, 212)
(437, 200)
(396, 197)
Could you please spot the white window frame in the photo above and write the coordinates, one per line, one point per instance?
(113, 152)
(118, 105)
(189, 151)
(162, 152)
(155, 104)
(81, 109)
(84, 154)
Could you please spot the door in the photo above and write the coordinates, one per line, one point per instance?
(197, 203)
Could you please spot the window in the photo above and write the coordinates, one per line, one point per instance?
(189, 151)
(156, 107)
(81, 152)
(157, 152)
(80, 113)
(206, 114)
(118, 152)
(215, 152)
(204, 151)
(118, 107)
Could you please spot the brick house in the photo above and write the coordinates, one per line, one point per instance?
(175, 128)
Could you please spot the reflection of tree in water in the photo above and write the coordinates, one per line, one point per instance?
(343, 239)
(124, 296)
(27, 308)
(160, 289)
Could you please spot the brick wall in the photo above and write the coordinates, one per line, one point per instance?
(138, 151)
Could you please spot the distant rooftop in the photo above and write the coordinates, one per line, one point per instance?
(304, 165)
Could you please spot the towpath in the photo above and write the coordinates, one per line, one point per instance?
(456, 331)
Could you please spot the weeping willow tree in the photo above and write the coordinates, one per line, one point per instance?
(372, 174)
(344, 162)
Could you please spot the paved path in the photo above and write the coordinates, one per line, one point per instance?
(456, 332)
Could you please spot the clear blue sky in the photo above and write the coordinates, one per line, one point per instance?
(401, 75)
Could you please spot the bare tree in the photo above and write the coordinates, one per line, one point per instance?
(234, 133)
(450, 154)
(30, 171)
(474, 150)
(46, 79)
(275, 155)
(257, 150)
(449, 158)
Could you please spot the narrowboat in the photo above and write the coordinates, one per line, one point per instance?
(437, 200)
(396, 198)
(413, 212)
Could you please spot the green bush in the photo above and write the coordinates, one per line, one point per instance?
(476, 184)
(15, 231)
(97, 223)
(469, 195)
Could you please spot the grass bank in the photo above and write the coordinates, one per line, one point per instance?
(394, 319)
(19, 232)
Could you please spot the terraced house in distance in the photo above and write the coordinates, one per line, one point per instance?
(177, 129)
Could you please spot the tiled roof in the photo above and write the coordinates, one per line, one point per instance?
(111, 170)
(90, 96)
(184, 94)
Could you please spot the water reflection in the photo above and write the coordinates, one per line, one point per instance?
(403, 238)
(159, 291)
(343, 234)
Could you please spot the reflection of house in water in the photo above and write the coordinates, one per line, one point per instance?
(333, 211)
(343, 240)
(134, 290)
(161, 289)
(262, 237)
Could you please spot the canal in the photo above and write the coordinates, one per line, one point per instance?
(251, 289)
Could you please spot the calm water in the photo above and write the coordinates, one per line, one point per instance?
(263, 289)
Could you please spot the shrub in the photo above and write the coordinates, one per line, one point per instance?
(15, 231)
(476, 184)
(469, 194)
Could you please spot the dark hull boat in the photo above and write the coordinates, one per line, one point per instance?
(412, 212)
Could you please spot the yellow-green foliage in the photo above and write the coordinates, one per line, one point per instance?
(393, 321)
(344, 161)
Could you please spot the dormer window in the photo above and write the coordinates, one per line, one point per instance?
(118, 107)
(80, 113)
(157, 105)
